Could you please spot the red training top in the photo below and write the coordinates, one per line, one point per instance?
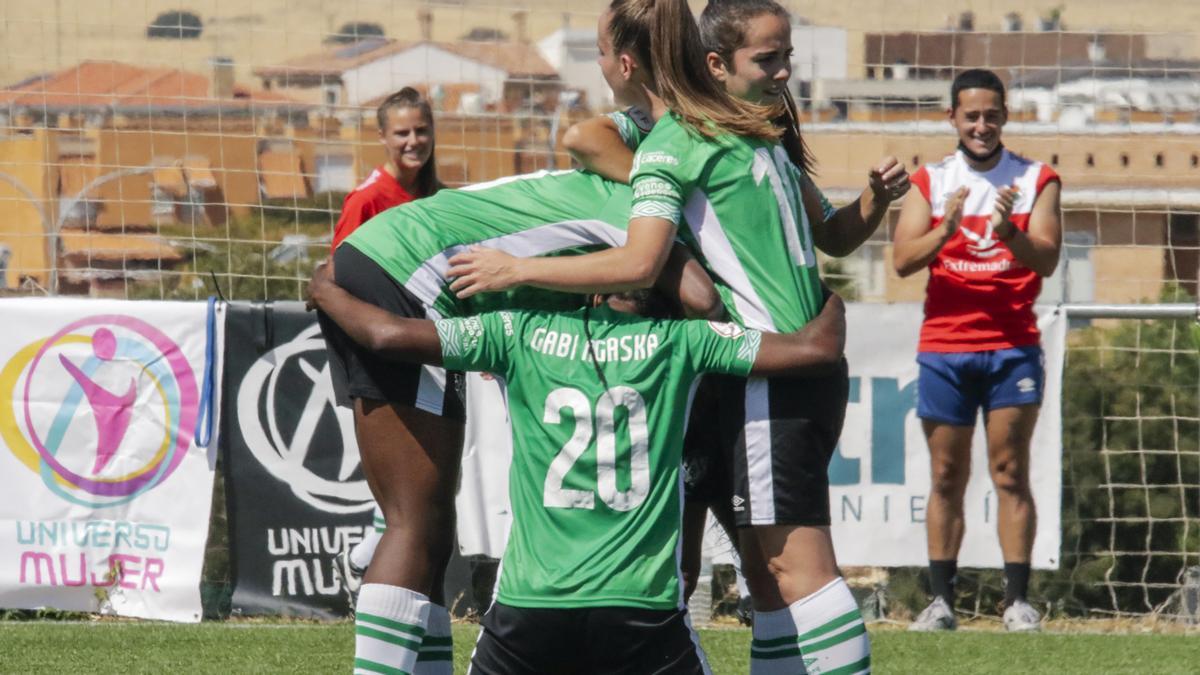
(979, 297)
(378, 193)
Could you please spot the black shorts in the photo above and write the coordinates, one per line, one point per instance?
(599, 640)
(763, 446)
(359, 373)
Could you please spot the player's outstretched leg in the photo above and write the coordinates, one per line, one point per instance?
(411, 460)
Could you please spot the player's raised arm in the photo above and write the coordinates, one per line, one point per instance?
(597, 145)
(376, 329)
(815, 349)
(841, 232)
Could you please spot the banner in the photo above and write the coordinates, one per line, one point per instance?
(484, 517)
(106, 494)
(880, 474)
(296, 494)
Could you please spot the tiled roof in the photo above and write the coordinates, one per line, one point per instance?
(104, 84)
(82, 248)
(516, 59)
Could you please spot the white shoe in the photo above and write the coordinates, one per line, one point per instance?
(349, 575)
(1020, 617)
(936, 617)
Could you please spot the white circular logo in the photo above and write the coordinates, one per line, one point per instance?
(284, 460)
(726, 329)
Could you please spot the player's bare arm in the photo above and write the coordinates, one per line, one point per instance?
(854, 223)
(1037, 249)
(596, 144)
(815, 349)
(916, 244)
(633, 266)
(376, 329)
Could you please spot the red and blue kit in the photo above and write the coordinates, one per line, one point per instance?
(979, 296)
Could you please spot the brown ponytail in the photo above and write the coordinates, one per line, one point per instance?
(663, 37)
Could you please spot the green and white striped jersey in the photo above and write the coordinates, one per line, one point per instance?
(597, 443)
(543, 213)
(745, 218)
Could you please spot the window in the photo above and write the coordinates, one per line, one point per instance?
(177, 25)
(1074, 280)
(355, 31)
(335, 173)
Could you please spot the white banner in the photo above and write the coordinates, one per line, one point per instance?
(106, 495)
(483, 507)
(880, 475)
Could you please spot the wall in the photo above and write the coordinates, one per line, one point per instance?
(421, 64)
(25, 159)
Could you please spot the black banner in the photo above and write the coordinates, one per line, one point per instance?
(295, 490)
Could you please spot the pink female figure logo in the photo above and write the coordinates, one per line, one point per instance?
(112, 412)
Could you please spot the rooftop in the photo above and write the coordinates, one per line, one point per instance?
(511, 57)
(131, 88)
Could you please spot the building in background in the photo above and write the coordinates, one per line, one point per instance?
(487, 76)
(573, 53)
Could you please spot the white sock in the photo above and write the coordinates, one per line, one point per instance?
(363, 551)
(389, 625)
(822, 633)
(437, 651)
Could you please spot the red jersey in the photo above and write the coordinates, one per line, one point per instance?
(979, 296)
(378, 193)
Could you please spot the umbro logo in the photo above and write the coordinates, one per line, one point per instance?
(1026, 385)
(739, 504)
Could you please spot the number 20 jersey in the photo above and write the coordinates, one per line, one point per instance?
(597, 442)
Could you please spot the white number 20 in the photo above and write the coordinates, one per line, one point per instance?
(554, 494)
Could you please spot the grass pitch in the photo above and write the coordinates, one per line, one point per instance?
(251, 647)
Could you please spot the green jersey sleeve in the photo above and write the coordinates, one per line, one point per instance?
(633, 125)
(666, 169)
(480, 342)
(719, 347)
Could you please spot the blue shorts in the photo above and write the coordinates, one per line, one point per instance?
(952, 387)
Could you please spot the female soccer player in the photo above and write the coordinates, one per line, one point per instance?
(590, 579)
(751, 230)
(749, 52)
(410, 172)
(409, 418)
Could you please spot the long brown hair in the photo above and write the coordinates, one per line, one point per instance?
(723, 25)
(663, 37)
(427, 182)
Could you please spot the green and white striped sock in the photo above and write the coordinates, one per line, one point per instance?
(822, 633)
(389, 625)
(363, 551)
(437, 650)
